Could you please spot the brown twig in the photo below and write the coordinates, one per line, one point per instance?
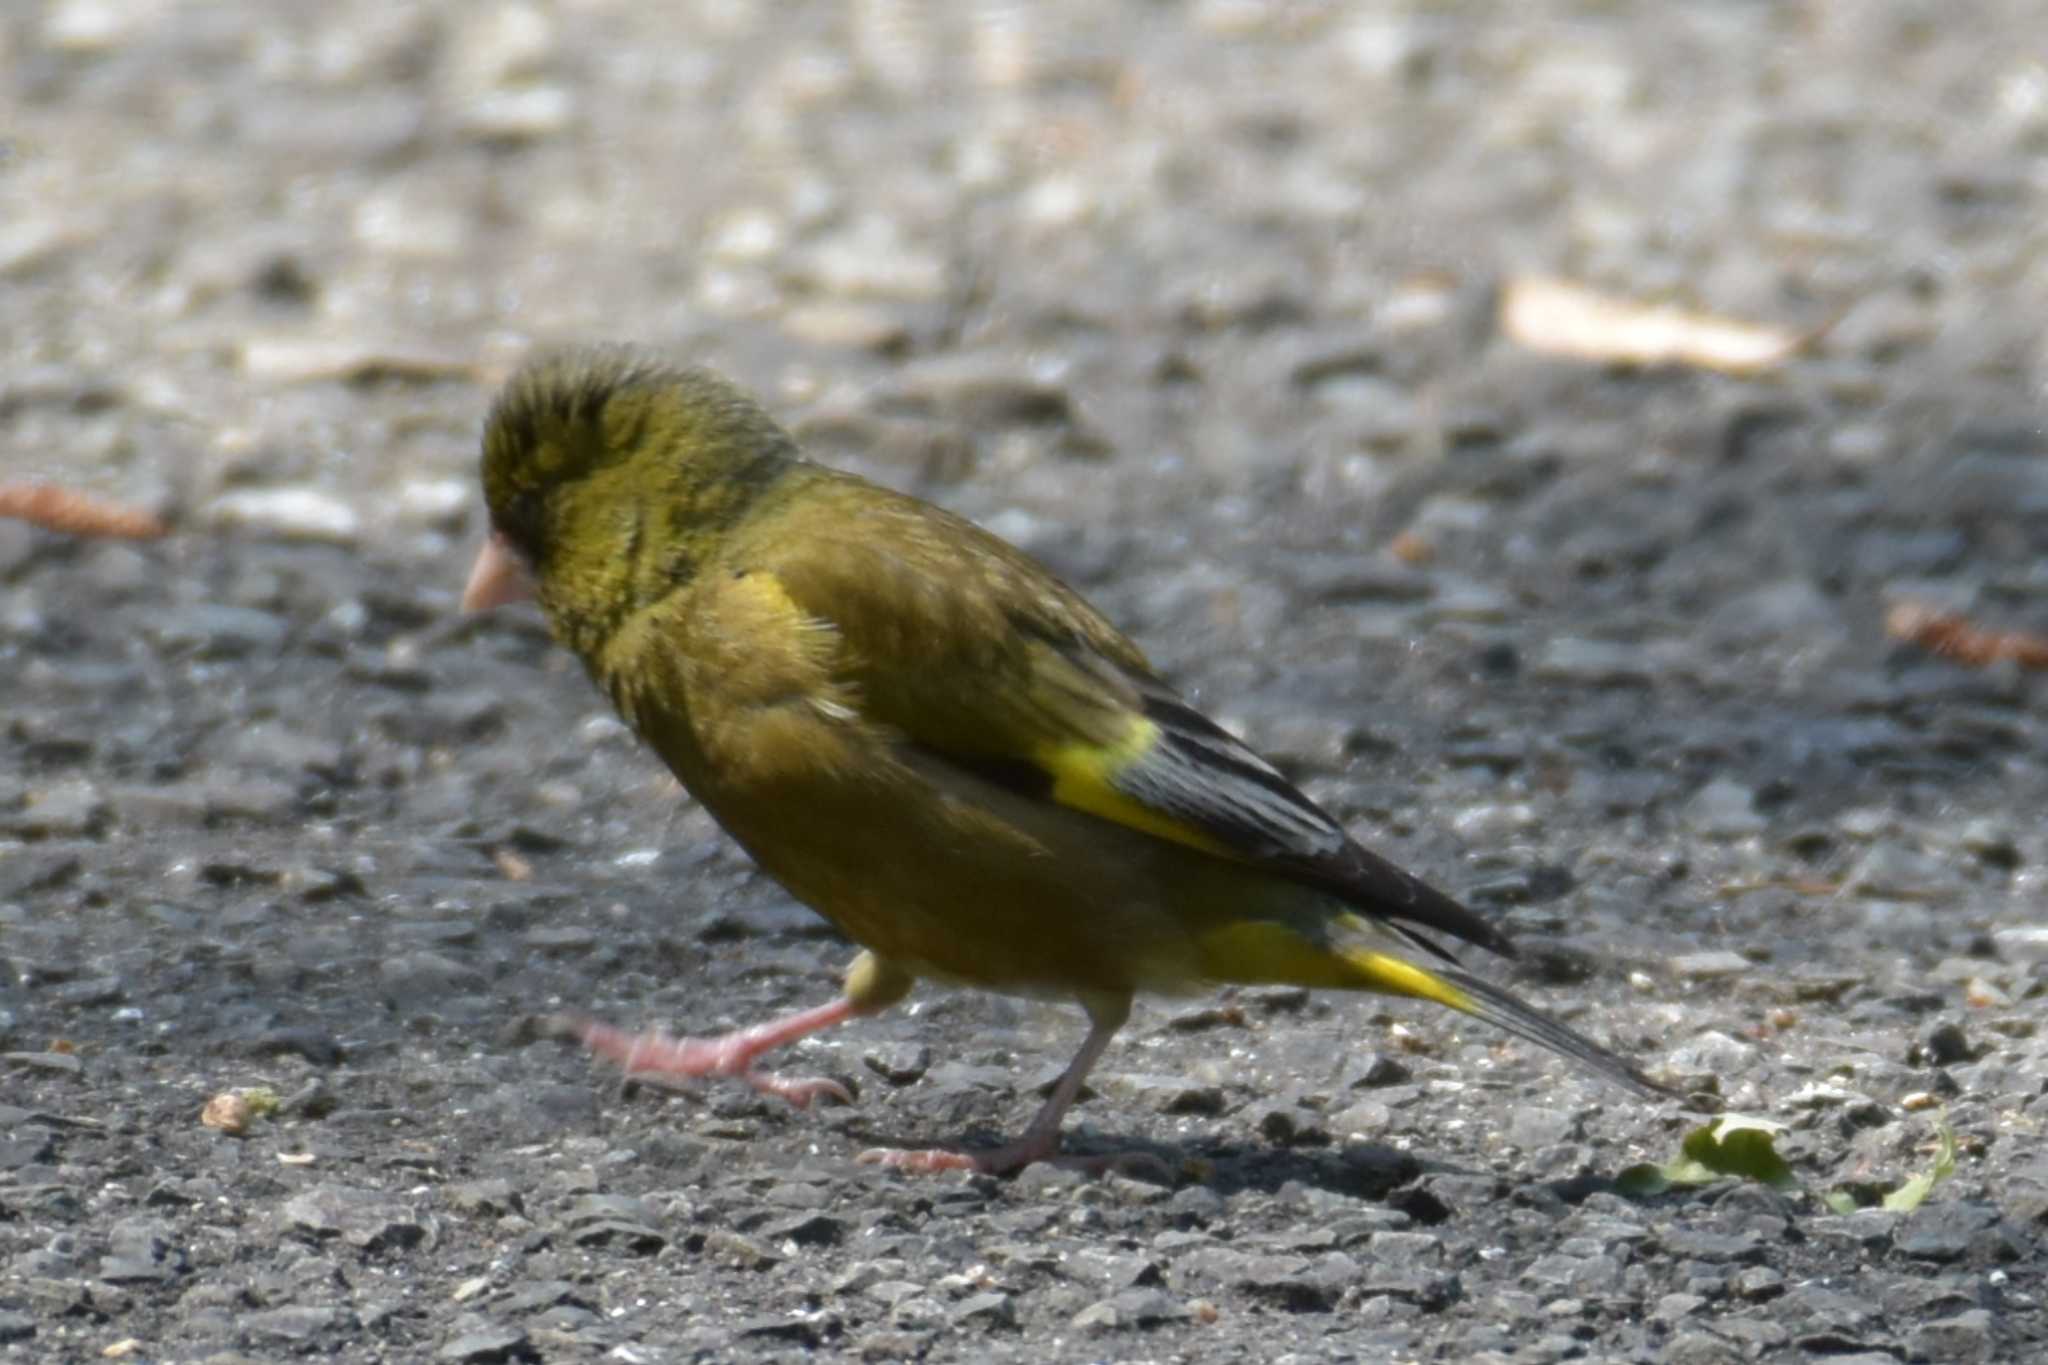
(1953, 637)
(78, 514)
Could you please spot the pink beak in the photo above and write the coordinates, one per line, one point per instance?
(497, 578)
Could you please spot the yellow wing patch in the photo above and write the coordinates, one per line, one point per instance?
(1083, 778)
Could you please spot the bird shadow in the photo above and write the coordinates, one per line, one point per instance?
(1373, 1172)
(1421, 1185)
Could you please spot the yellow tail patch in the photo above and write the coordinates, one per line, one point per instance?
(1392, 976)
(1265, 952)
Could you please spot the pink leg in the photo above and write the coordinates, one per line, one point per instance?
(1040, 1141)
(658, 1057)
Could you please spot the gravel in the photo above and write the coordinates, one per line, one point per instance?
(1195, 302)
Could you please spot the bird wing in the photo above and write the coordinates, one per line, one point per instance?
(969, 651)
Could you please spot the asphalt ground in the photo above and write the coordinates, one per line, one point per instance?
(1200, 303)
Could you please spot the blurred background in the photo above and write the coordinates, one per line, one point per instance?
(1254, 247)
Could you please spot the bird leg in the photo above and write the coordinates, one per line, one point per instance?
(656, 1056)
(872, 984)
(1041, 1140)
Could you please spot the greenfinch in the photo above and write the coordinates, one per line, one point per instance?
(927, 738)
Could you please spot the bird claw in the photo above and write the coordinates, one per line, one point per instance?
(924, 1161)
(800, 1091)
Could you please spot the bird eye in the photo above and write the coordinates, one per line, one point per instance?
(522, 524)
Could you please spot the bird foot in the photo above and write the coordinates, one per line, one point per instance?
(935, 1160)
(800, 1091)
(661, 1059)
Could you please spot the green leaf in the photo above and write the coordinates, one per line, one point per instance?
(1640, 1182)
(1914, 1192)
(1745, 1146)
(1739, 1145)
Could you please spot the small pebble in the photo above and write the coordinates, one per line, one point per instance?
(287, 513)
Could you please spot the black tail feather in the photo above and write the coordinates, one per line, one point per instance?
(1497, 1007)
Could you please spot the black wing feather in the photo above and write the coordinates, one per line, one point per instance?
(1204, 777)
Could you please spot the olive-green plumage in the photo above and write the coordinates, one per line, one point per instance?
(923, 734)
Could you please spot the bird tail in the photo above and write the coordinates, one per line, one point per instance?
(1267, 950)
(1483, 1000)
(1453, 986)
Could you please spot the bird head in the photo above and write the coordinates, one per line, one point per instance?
(606, 470)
